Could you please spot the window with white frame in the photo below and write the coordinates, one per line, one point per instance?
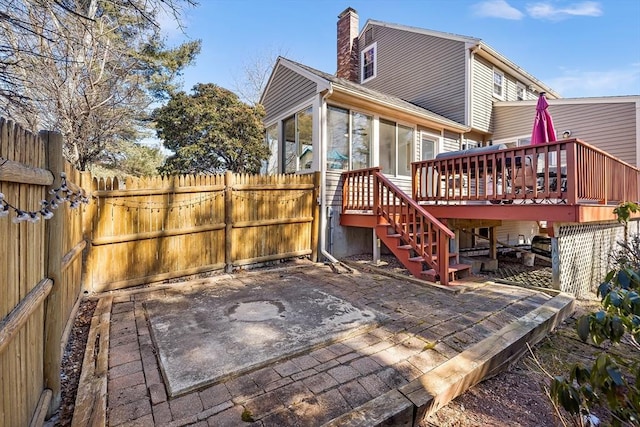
(298, 148)
(396, 148)
(498, 83)
(270, 166)
(520, 92)
(368, 61)
(349, 136)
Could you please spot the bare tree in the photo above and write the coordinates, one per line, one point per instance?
(256, 70)
(87, 68)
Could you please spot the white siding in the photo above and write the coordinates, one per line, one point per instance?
(481, 94)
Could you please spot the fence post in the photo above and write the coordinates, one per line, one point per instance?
(54, 232)
(87, 230)
(315, 224)
(228, 220)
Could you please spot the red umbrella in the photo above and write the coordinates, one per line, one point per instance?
(543, 130)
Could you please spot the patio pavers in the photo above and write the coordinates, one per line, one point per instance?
(371, 372)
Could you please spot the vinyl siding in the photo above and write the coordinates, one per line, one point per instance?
(286, 90)
(482, 93)
(510, 231)
(451, 142)
(608, 126)
(425, 70)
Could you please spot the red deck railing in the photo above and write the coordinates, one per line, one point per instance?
(370, 190)
(569, 171)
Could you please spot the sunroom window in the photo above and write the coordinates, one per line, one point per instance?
(349, 139)
(270, 166)
(396, 148)
(298, 148)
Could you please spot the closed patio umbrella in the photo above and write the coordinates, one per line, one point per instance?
(543, 130)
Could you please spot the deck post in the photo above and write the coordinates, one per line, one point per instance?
(443, 258)
(493, 243)
(572, 173)
(376, 248)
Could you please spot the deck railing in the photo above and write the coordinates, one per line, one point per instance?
(568, 171)
(369, 189)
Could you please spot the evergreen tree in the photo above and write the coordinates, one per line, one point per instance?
(211, 131)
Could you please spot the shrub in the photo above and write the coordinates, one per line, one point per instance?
(612, 381)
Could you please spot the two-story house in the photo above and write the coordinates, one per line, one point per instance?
(400, 97)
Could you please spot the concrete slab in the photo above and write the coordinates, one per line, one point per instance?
(207, 335)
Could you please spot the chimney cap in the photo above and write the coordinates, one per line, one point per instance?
(348, 10)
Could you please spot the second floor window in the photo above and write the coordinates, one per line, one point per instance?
(368, 61)
(520, 92)
(498, 83)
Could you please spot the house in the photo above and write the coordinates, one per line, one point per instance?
(401, 98)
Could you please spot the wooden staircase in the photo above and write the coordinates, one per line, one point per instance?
(417, 265)
(418, 239)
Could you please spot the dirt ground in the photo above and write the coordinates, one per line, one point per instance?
(516, 397)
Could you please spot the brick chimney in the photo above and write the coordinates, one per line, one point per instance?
(348, 53)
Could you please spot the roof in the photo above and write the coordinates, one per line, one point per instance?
(359, 90)
(614, 99)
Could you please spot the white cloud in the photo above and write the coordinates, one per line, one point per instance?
(545, 10)
(497, 9)
(615, 82)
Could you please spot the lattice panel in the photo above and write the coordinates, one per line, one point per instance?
(584, 254)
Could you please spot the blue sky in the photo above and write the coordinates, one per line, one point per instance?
(579, 48)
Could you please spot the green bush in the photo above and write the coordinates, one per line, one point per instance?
(611, 381)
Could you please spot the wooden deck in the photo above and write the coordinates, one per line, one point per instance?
(568, 181)
(565, 181)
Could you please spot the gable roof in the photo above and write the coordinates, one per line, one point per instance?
(434, 33)
(479, 47)
(354, 89)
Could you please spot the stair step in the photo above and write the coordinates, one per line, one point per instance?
(405, 247)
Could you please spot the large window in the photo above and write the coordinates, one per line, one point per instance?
(498, 83)
(270, 166)
(396, 148)
(368, 62)
(298, 149)
(349, 139)
(361, 133)
(338, 138)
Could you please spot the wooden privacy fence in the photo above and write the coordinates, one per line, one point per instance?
(40, 268)
(148, 230)
(132, 232)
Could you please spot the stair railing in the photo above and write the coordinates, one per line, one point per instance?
(418, 228)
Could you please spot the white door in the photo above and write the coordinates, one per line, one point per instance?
(428, 151)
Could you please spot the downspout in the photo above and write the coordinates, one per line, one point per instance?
(323, 177)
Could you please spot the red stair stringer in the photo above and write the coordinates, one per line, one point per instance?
(414, 236)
